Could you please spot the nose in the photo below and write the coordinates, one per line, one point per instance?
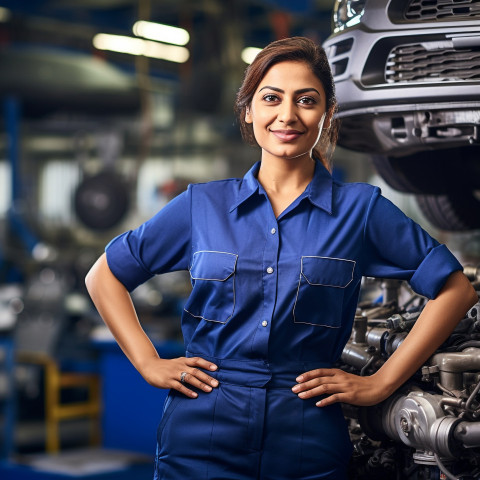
(287, 113)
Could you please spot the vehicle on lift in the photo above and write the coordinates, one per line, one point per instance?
(430, 427)
(407, 75)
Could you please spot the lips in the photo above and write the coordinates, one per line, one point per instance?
(287, 135)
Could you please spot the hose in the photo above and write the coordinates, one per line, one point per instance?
(472, 397)
(444, 469)
(364, 368)
(445, 390)
(470, 343)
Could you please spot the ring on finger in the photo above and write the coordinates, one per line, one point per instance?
(182, 377)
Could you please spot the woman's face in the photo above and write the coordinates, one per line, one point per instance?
(287, 111)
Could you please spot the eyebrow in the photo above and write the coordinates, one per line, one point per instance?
(301, 90)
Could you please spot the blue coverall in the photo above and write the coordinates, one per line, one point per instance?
(272, 298)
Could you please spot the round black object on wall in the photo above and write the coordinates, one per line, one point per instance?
(102, 200)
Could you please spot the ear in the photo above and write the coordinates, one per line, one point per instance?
(248, 116)
(328, 119)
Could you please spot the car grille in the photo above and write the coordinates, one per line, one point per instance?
(338, 55)
(447, 10)
(417, 63)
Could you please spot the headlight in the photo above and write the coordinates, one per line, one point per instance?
(347, 13)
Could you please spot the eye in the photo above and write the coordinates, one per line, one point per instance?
(270, 97)
(307, 101)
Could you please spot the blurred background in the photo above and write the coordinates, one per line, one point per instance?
(105, 117)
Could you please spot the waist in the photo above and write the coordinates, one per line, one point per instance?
(258, 373)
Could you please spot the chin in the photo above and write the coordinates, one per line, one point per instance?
(297, 156)
(288, 153)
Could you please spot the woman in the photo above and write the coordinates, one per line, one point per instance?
(276, 260)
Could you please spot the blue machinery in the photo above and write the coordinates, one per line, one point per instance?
(7, 361)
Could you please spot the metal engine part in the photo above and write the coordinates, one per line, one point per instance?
(430, 428)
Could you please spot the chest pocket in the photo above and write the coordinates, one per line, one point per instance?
(213, 279)
(321, 289)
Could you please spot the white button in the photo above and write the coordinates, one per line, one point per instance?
(269, 270)
(264, 323)
(273, 231)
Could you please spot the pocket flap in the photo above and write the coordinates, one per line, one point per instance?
(210, 265)
(327, 271)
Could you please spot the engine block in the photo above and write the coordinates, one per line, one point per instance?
(430, 427)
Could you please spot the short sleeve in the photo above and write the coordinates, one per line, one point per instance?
(397, 247)
(160, 245)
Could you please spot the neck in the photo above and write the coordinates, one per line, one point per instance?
(286, 175)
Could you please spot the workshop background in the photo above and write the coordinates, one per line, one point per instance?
(102, 123)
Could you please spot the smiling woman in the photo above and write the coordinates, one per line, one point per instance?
(287, 116)
(312, 62)
(275, 259)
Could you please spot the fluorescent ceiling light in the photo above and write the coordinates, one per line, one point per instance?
(119, 43)
(5, 14)
(161, 33)
(249, 54)
(137, 46)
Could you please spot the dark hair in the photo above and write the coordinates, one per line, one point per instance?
(298, 49)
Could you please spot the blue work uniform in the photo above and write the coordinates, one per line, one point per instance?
(272, 297)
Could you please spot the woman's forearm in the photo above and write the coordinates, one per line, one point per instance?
(433, 327)
(435, 324)
(115, 306)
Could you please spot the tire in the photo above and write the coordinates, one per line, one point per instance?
(431, 172)
(101, 201)
(458, 211)
(390, 170)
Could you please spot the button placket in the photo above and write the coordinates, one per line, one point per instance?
(270, 283)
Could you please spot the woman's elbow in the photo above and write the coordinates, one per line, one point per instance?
(89, 280)
(92, 277)
(466, 290)
(473, 298)
(458, 293)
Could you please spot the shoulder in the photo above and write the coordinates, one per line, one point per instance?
(216, 185)
(225, 186)
(225, 190)
(358, 192)
(361, 188)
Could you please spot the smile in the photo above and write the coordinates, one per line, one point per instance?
(287, 135)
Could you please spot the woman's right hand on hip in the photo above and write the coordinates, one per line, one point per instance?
(180, 373)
